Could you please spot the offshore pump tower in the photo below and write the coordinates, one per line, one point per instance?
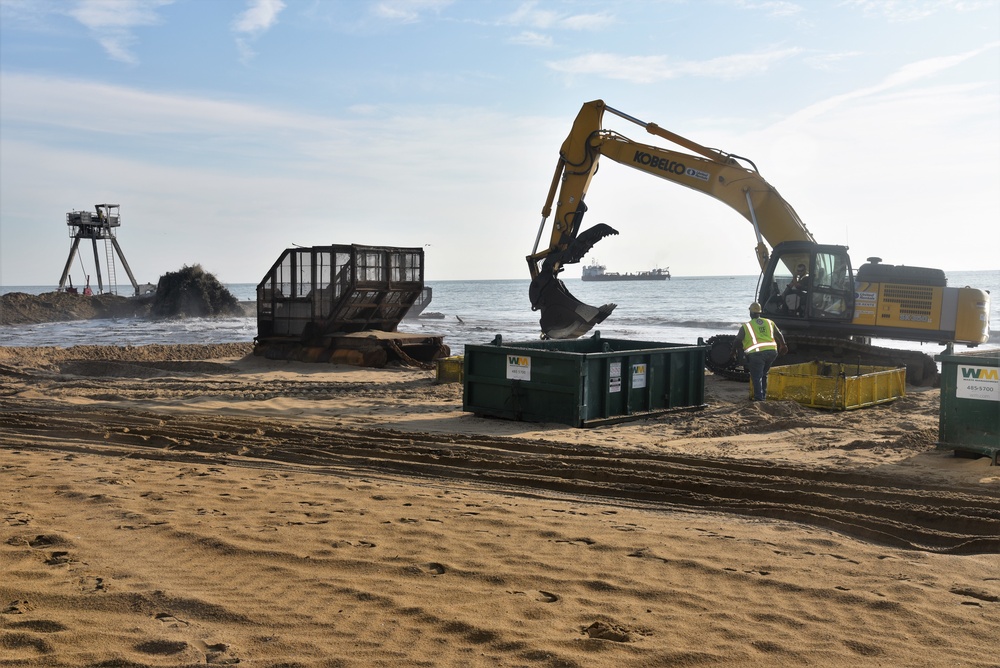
(98, 225)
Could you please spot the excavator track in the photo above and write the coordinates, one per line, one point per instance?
(921, 369)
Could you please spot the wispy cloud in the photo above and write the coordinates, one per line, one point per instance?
(529, 15)
(905, 75)
(772, 7)
(112, 23)
(914, 10)
(531, 38)
(120, 119)
(407, 11)
(126, 111)
(651, 69)
(258, 18)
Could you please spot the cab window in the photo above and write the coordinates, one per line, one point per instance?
(831, 284)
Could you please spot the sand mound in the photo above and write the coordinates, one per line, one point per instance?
(19, 308)
(46, 357)
(193, 292)
(190, 292)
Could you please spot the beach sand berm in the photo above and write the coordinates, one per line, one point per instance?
(193, 505)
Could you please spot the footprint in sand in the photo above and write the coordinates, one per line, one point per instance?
(547, 597)
(219, 654)
(170, 621)
(605, 631)
(646, 553)
(44, 540)
(17, 518)
(436, 568)
(93, 583)
(347, 543)
(58, 558)
(628, 527)
(18, 607)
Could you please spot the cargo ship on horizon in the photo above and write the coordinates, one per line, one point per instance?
(598, 272)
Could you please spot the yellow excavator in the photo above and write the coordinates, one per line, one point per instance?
(826, 309)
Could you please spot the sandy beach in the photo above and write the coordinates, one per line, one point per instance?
(197, 505)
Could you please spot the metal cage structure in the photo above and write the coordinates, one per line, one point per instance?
(316, 292)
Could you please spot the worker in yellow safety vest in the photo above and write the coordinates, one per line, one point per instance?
(761, 341)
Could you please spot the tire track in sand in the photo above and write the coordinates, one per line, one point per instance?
(866, 505)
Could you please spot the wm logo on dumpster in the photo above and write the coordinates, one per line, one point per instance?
(518, 367)
(979, 373)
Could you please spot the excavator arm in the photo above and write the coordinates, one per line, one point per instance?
(717, 174)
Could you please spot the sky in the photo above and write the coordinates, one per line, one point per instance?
(230, 130)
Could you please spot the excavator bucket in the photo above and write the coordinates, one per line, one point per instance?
(563, 315)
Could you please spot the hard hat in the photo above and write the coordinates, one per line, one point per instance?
(755, 308)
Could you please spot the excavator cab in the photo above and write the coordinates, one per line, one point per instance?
(805, 281)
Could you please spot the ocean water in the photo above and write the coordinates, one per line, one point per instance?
(676, 311)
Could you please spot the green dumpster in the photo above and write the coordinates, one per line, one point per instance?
(970, 402)
(582, 382)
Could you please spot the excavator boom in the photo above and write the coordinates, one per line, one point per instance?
(720, 175)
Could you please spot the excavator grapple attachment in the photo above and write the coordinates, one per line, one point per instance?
(563, 315)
